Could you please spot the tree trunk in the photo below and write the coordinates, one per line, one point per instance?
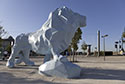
(70, 56)
(73, 57)
(76, 56)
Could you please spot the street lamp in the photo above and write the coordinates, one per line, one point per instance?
(104, 44)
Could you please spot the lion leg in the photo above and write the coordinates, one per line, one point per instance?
(26, 59)
(20, 60)
(11, 60)
(47, 57)
(55, 54)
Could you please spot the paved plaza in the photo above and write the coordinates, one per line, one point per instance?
(95, 71)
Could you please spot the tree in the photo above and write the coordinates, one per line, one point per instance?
(122, 37)
(8, 48)
(123, 34)
(73, 47)
(75, 41)
(3, 33)
(69, 51)
(84, 46)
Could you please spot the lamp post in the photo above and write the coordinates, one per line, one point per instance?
(104, 44)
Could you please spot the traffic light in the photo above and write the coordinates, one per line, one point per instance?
(120, 46)
(115, 45)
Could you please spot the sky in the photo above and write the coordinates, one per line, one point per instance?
(108, 16)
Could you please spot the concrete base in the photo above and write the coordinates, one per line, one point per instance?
(60, 68)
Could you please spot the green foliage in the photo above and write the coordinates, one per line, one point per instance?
(8, 48)
(75, 39)
(69, 48)
(2, 32)
(84, 46)
(75, 47)
(101, 53)
(123, 34)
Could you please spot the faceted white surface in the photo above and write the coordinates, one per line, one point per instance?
(60, 68)
(51, 39)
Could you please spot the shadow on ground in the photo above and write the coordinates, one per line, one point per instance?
(8, 78)
(26, 67)
(105, 74)
(109, 62)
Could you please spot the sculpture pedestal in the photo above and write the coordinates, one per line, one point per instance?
(61, 68)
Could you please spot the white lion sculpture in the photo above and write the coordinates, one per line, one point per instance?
(54, 37)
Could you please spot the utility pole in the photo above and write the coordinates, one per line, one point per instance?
(98, 36)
